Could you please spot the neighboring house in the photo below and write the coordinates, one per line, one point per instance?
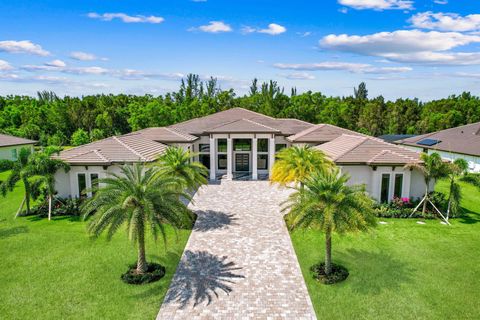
(241, 144)
(10, 146)
(460, 142)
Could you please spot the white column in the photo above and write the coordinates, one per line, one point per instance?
(229, 158)
(271, 153)
(254, 159)
(213, 159)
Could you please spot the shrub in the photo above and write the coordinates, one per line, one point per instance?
(5, 165)
(60, 207)
(473, 179)
(154, 273)
(79, 137)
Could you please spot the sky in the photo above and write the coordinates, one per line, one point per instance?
(402, 49)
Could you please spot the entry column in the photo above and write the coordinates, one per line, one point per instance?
(213, 162)
(254, 159)
(229, 158)
(271, 153)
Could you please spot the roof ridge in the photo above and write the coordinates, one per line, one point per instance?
(178, 132)
(129, 148)
(260, 124)
(305, 131)
(98, 153)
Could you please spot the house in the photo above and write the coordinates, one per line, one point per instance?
(395, 137)
(10, 146)
(241, 144)
(460, 142)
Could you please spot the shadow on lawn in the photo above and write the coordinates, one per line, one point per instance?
(7, 233)
(211, 220)
(469, 217)
(374, 272)
(199, 276)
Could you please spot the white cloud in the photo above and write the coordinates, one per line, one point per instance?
(4, 66)
(347, 66)
(299, 76)
(84, 56)
(343, 10)
(272, 29)
(437, 58)
(440, 1)
(126, 18)
(446, 21)
(56, 63)
(199, 0)
(213, 27)
(304, 34)
(24, 46)
(378, 4)
(400, 41)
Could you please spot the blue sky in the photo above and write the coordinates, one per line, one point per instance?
(401, 48)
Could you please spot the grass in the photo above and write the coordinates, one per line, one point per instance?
(53, 270)
(401, 270)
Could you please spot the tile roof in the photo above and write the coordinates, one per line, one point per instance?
(127, 148)
(7, 140)
(464, 139)
(203, 125)
(244, 126)
(165, 134)
(355, 149)
(321, 133)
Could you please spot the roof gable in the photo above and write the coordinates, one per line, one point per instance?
(243, 125)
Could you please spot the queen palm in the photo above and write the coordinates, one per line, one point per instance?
(140, 199)
(455, 169)
(329, 205)
(44, 168)
(21, 171)
(297, 163)
(432, 168)
(179, 162)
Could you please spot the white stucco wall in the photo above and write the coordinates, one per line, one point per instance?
(473, 162)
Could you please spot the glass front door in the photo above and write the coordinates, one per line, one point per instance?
(242, 162)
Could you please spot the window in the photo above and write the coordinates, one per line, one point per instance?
(82, 184)
(14, 154)
(385, 188)
(94, 182)
(397, 191)
(204, 147)
(222, 162)
(280, 146)
(204, 159)
(242, 144)
(222, 145)
(262, 162)
(262, 145)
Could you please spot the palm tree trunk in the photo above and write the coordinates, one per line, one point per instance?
(142, 261)
(424, 209)
(20, 208)
(328, 252)
(49, 207)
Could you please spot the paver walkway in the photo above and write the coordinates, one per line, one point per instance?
(239, 262)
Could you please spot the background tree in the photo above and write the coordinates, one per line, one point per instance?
(361, 92)
(79, 137)
(329, 205)
(295, 165)
(141, 199)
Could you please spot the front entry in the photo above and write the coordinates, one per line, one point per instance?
(242, 162)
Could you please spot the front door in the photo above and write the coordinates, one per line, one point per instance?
(242, 162)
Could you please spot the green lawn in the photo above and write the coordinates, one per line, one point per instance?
(53, 270)
(402, 270)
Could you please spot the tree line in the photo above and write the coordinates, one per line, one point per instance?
(54, 120)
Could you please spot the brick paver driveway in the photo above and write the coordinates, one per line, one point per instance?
(239, 262)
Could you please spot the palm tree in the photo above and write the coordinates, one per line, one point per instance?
(44, 167)
(297, 163)
(329, 205)
(141, 199)
(179, 162)
(456, 169)
(21, 171)
(432, 168)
